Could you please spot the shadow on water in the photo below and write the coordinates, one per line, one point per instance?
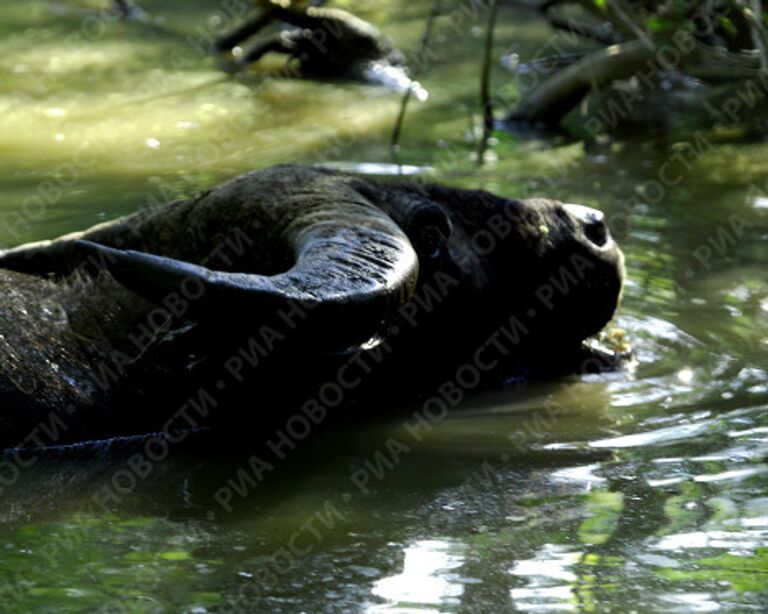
(647, 486)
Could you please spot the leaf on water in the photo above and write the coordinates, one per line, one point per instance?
(175, 556)
(604, 508)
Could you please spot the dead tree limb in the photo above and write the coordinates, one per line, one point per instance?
(419, 64)
(718, 65)
(755, 14)
(262, 16)
(627, 15)
(708, 59)
(598, 34)
(556, 96)
(252, 25)
(485, 83)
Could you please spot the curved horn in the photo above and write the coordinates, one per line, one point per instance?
(354, 267)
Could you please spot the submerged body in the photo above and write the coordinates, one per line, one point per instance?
(292, 284)
(325, 43)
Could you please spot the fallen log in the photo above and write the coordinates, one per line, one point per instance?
(556, 96)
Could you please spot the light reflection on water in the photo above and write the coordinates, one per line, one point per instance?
(427, 578)
(643, 488)
(549, 579)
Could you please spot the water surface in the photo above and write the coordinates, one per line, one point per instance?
(644, 489)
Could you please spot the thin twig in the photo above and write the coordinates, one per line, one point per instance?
(127, 9)
(252, 25)
(623, 15)
(394, 143)
(580, 29)
(755, 17)
(485, 84)
(421, 56)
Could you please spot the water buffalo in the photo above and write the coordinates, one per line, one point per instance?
(325, 43)
(257, 296)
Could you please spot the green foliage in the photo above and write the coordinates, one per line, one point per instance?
(91, 561)
(727, 24)
(743, 573)
(604, 508)
(658, 24)
(683, 510)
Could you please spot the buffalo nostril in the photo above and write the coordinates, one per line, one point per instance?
(597, 232)
(592, 221)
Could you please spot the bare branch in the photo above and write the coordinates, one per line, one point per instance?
(485, 83)
(556, 96)
(421, 55)
(630, 20)
(601, 35)
(716, 64)
(758, 32)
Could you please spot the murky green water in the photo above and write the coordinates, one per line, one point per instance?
(642, 490)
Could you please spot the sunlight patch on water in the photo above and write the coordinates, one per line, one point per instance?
(234, 130)
(665, 435)
(736, 474)
(55, 112)
(754, 522)
(727, 540)
(59, 57)
(427, 578)
(378, 168)
(659, 348)
(552, 562)
(544, 599)
(760, 430)
(740, 460)
(584, 475)
(118, 98)
(631, 394)
(729, 455)
(112, 133)
(692, 602)
(549, 577)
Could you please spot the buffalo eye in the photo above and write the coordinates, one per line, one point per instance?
(429, 229)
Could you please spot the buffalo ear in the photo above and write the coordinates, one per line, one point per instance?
(429, 228)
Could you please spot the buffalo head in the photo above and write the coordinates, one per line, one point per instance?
(316, 264)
